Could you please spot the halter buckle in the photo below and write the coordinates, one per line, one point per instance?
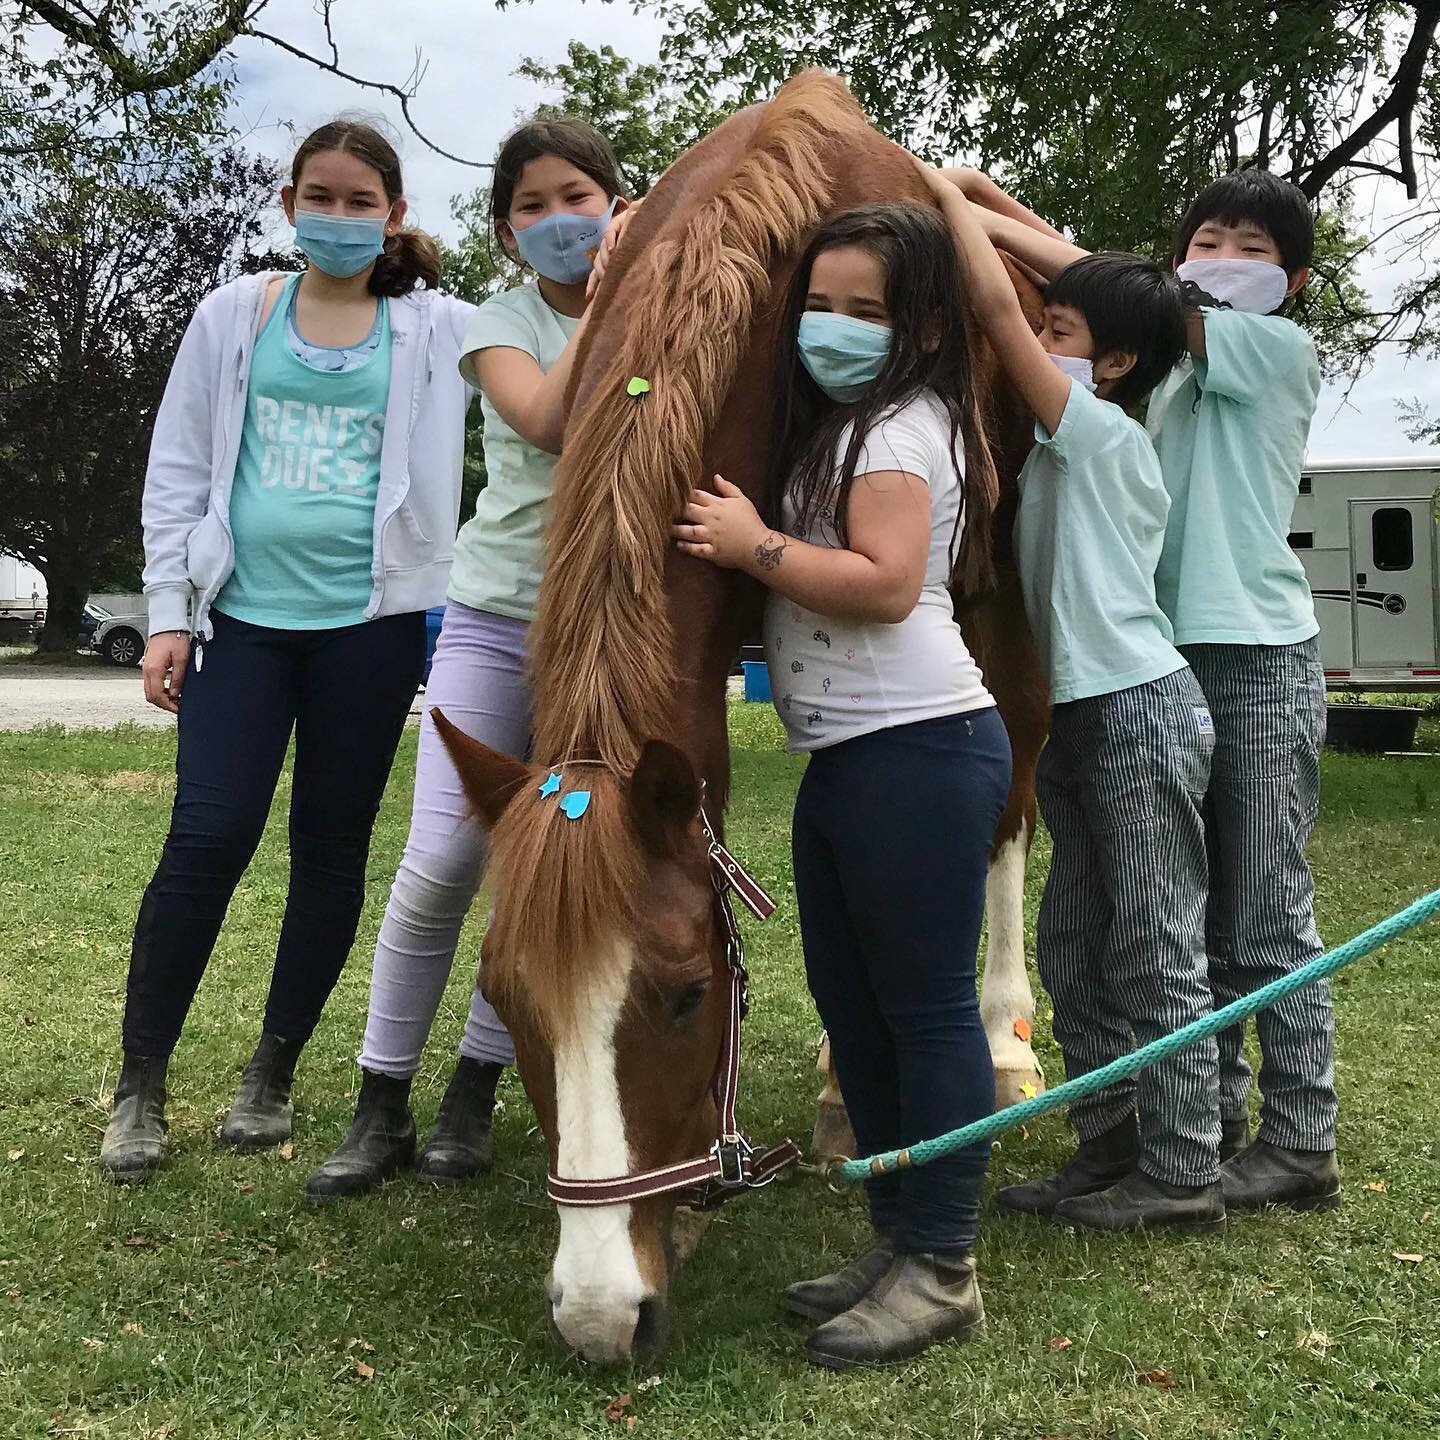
(731, 1154)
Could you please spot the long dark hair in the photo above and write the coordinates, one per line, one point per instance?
(411, 256)
(574, 140)
(933, 348)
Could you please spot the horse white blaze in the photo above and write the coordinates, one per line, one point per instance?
(595, 1283)
(1005, 994)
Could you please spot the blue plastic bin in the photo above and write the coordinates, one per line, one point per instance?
(434, 617)
(757, 679)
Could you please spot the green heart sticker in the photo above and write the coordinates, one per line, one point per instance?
(638, 385)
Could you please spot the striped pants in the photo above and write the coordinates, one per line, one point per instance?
(1269, 707)
(1120, 942)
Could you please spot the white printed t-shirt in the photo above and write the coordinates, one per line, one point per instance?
(834, 679)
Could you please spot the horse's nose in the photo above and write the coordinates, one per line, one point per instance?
(605, 1331)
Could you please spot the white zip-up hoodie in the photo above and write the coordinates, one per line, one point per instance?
(189, 551)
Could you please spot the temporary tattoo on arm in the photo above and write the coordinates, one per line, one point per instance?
(767, 554)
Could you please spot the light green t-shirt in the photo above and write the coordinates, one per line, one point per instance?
(499, 551)
(1087, 536)
(1230, 431)
(302, 509)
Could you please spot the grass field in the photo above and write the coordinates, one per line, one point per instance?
(212, 1303)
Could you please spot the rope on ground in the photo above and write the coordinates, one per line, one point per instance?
(1007, 1119)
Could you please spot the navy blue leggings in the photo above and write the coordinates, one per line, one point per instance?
(892, 838)
(346, 694)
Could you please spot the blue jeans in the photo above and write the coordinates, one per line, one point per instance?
(892, 838)
(346, 694)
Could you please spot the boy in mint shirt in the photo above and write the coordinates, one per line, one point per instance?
(1120, 941)
(1230, 426)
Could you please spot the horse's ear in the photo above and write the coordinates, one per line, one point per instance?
(490, 780)
(664, 796)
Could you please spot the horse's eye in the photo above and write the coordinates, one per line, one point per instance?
(687, 1001)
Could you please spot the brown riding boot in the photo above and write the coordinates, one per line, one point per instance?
(920, 1300)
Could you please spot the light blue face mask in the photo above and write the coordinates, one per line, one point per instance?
(562, 246)
(340, 245)
(842, 354)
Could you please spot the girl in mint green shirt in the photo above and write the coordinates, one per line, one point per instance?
(556, 201)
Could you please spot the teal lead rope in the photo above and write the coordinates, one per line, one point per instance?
(927, 1150)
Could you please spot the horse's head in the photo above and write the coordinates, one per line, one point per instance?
(604, 959)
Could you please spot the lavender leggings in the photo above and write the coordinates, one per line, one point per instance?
(478, 680)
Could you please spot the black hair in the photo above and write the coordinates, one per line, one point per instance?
(1130, 305)
(574, 140)
(934, 346)
(1279, 208)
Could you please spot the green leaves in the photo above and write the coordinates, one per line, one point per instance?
(1108, 116)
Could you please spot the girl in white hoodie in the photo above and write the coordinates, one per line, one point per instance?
(299, 512)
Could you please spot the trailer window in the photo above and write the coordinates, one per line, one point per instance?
(1392, 539)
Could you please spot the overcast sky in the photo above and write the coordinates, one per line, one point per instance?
(470, 98)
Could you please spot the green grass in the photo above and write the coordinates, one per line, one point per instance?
(212, 1302)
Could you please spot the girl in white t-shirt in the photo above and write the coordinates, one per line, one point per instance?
(910, 763)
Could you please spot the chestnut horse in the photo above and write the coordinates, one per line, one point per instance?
(606, 956)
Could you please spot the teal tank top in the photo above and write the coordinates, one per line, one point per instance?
(302, 509)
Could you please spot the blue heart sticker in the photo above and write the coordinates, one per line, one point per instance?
(551, 785)
(575, 804)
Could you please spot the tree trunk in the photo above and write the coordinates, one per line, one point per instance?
(69, 584)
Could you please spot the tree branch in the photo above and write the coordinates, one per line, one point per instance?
(401, 93)
(102, 42)
(1398, 105)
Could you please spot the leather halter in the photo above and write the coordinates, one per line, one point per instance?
(731, 1164)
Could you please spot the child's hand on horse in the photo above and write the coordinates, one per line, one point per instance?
(724, 528)
(608, 243)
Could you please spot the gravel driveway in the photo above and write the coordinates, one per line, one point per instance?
(79, 697)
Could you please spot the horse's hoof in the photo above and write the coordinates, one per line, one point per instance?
(1016, 1083)
(686, 1228)
(832, 1138)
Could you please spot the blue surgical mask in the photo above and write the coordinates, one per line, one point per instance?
(562, 246)
(340, 245)
(842, 354)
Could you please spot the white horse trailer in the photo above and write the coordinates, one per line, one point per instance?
(1366, 531)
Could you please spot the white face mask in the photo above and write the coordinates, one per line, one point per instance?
(1080, 370)
(1255, 286)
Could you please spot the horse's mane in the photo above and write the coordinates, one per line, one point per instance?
(630, 463)
(602, 650)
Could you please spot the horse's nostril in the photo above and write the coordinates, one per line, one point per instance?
(649, 1329)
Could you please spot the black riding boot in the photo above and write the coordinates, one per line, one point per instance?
(380, 1143)
(461, 1144)
(261, 1113)
(1234, 1136)
(1096, 1165)
(134, 1142)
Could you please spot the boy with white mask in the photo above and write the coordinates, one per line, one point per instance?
(1230, 426)
(1121, 781)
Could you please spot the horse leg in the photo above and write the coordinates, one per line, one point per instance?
(997, 633)
(1007, 1006)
